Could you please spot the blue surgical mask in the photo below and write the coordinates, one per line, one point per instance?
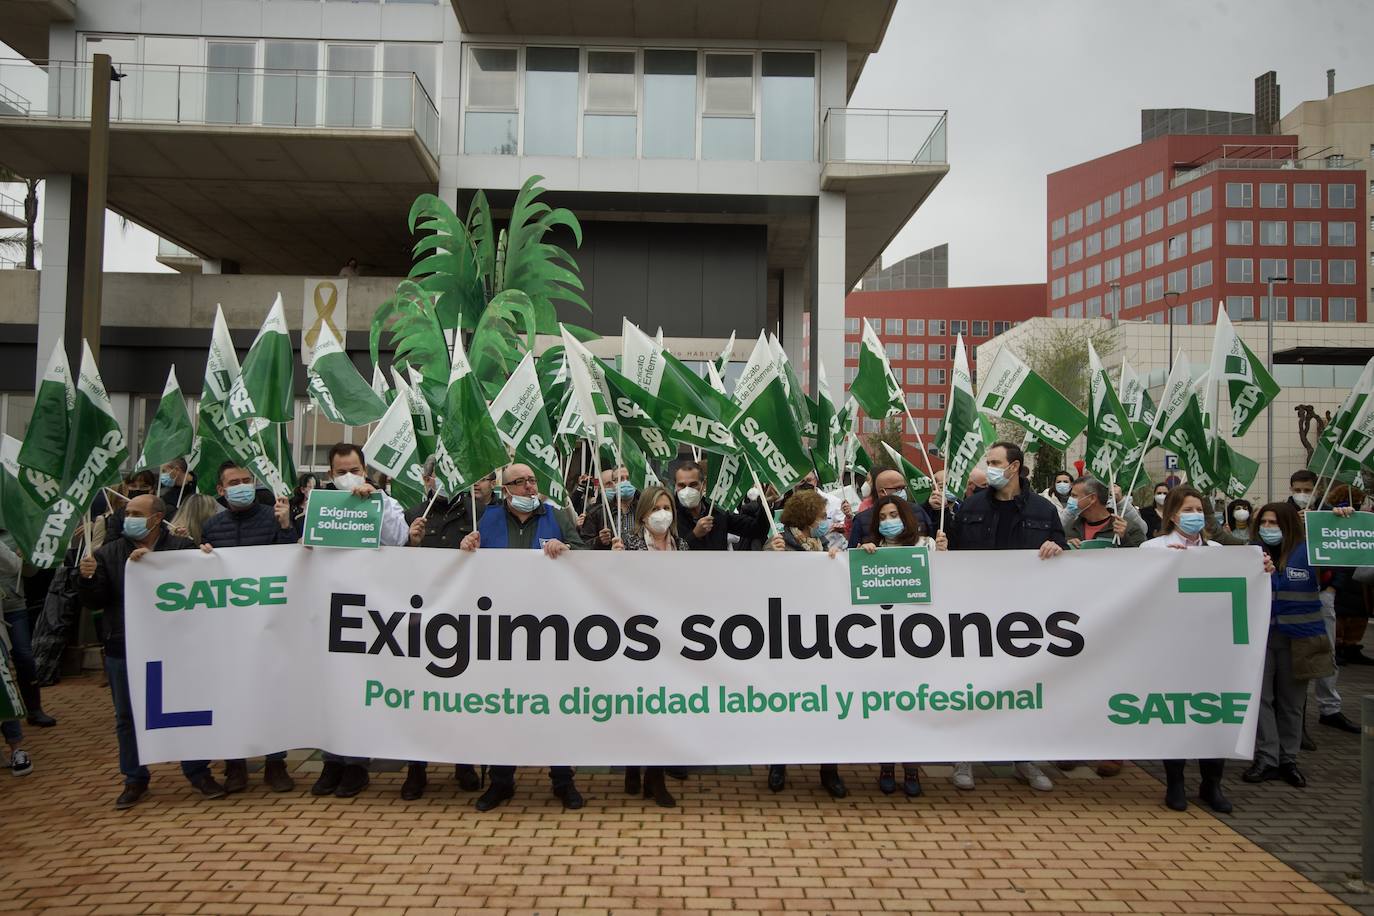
(900, 494)
(1218, 518)
(890, 527)
(625, 490)
(1072, 505)
(997, 478)
(822, 528)
(1063, 488)
(165, 480)
(1271, 536)
(524, 503)
(240, 495)
(1191, 522)
(135, 529)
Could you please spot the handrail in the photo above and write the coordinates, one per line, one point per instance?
(885, 135)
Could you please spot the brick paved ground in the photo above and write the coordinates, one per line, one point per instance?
(1091, 846)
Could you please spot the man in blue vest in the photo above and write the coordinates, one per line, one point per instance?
(524, 521)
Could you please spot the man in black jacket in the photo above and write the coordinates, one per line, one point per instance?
(703, 530)
(101, 585)
(248, 523)
(1005, 515)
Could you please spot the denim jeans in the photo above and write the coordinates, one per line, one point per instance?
(21, 644)
(12, 731)
(117, 670)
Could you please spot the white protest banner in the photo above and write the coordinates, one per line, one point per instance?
(585, 659)
(326, 306)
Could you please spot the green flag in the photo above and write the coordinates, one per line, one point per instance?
(1141, 412)
(963, 436)
(729, 477)
(20, 514)
(523, 424)
(691, 410)
(635, 410)
(472, 445)
(337, 388)
(95, 450)
(1329, 458)
(379, 385)
(1011, 390)
(919, 486)
(43, 454)
(391, 449)
(764, 427)
(591, 394)
(263, 392)
(828, 436)
(723, 360)
(1112, 448)
(169, 435)
(222, 438)
(796, 397)
(421, 417)
(1249, 386)
(1182, 429)
(875, 387)
(1235, 471)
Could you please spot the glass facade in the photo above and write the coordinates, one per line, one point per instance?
(670, 104)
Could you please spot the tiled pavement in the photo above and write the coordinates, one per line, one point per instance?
(1090, 846)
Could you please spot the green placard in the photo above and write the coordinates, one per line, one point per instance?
(890, 575)
(1336, 541)
(1095, 544)
(334, 518)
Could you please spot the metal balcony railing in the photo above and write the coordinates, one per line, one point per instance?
(888, 136)
(219, 96)
(1277, 157)
(11, 206)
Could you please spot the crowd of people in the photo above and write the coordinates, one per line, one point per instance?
(1318, 618)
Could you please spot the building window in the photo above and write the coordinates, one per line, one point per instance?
(1111, 269)
(1092, 276)
(916, 400)
(1075, 220)
(611, 119)
(1273, 232)
(1239, 194)
(1307, 196)
(551, 87)
(1178, 210)
(1132, 228)
(871, 426)
(960, 325)
(893, 327)
(1132, 262)
(1307, 308)
(1154, 289)
(915, 352)
(1154, 220)
(1241, 308)
(1240, 232)
(937, 353)
(1111, 237)
(937, 402)
(937, 328)
(1057, 228)
(851, 325)
(670, 104)
(1202, 237)
(1202, 311)
(1154, 255)
(850, 373)
(1092, 244)
(1340, 235)
(1341, 308)
(1240, 270)
(1075, 251)
(938, 377)
(1075, 310)
(1178, 281)
(1092, 213)
(1202, 201)
(787, 97)
(980, 329)
(1280, 308)
(915, 376)
(1075, 282)
(1132, 298)
(1307, 270)
(1272, 267)
(1340, 271)
(1307, 233)
(289, 98)
(876, 324)
(1093, 307)
(1178, 247)
(1057, 258)
(1178, 314)
(893, 351)
(915, 327)
(1132, 195)
(727, 118)
(1154, 185)
(851, 350)
(1273, 194)
(1000, 327)
(1202, 274)
(1340, 196)
(1111, 204)
(489, 124)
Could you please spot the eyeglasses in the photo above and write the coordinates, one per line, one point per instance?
(523, 482)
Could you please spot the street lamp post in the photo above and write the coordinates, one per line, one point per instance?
(1170, 300)
(1269, 414)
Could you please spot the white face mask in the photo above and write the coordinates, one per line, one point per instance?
(1302, 499)
(349, 482)
(1159, 498)
(753, 493)
(1242, 515)
(866, 491)
(689, 497)
(659, 520)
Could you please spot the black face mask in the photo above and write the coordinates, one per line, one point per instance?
(806, 486)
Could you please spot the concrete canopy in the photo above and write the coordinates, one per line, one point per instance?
(879, 199)
(860, 24)
(288, 200)
(24, 24)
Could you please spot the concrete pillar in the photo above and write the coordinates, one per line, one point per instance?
(59, 282)
(827, 315)
(791, 314)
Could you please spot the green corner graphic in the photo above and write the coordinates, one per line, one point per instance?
(1235, 587)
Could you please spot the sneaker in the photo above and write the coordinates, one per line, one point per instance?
(1033, 776)
(133, 793)
(963, 776)
(21, 764)
(330, 774)
(275, 775)
(208, 787)
(352, 781)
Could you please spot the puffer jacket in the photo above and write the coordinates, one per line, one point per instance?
(255, 526)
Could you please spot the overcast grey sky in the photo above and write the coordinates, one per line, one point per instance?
(1035, 87)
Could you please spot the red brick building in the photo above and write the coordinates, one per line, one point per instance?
(1208, 218)
(918, 329)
